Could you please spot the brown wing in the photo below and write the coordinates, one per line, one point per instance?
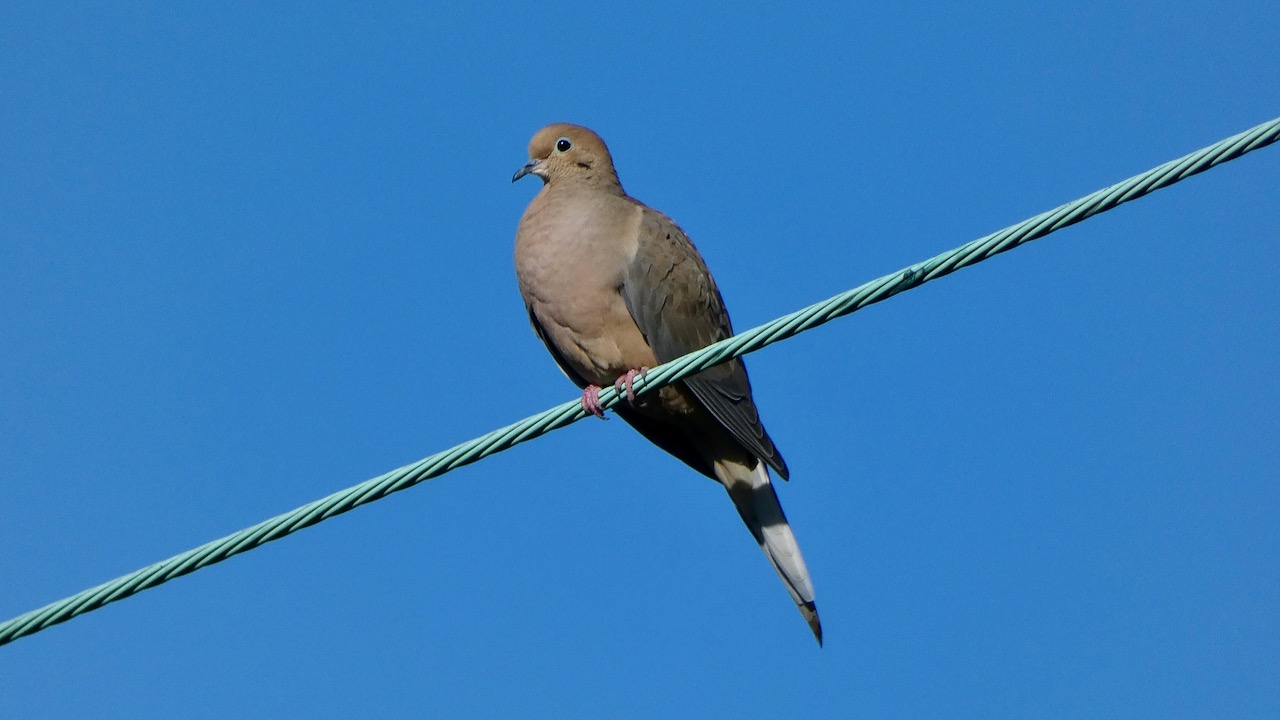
(673, 300)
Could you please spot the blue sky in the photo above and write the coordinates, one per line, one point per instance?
(251, 255)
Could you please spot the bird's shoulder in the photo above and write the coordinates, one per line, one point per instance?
(670, 290)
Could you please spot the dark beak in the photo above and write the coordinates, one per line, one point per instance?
(525, 170)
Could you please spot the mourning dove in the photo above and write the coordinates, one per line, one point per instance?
(614, 287)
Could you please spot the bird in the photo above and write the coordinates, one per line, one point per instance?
(612, 288)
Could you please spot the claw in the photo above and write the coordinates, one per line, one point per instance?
(591, 401)
(625, 380)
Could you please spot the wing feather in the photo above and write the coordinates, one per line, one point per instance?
(675, 303)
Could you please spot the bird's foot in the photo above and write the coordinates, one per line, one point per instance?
(625, 380)
(591, 401)
(591, 393)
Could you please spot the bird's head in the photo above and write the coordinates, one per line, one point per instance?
(564, 153)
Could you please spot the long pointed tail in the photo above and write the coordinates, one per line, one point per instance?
(758, 505)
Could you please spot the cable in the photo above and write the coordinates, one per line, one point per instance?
(780, 329)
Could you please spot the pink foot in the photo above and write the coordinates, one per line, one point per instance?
(591, 401)
(624, 381)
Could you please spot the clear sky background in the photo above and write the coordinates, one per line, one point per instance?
(251, 255)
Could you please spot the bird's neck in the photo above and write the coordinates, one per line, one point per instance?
(592, 182)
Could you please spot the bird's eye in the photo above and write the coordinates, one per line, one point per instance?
(563, 145)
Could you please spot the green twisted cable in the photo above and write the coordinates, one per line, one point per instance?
(561, 415)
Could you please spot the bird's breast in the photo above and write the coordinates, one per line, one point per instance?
(570, 263)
